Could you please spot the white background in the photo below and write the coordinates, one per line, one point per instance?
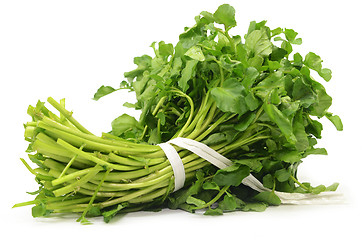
(67, 49)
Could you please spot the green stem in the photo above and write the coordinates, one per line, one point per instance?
(299, 183)
(192, 108)
(67, 115)
(217, 197)
(82, 218)
(70, 162)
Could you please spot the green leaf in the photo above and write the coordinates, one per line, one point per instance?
(336, 120)
(302, 142)
(228, 204)
(226, 177)
(187, 73)
(332, 187)
(230, 97)
(124, 123)
(290, 35)
(210, 186)
(165, 49)
(108, 215)
(313, 61)
(268, 181)
(195, 201)
(318, 189)
(268, 197)
(252, 102)
(251, 74)
(103, 91)
(277, 53)
(282, 175)
(245, 122)
(196, 53)
(213, 212)
(225, 14)
(181, 196)
(40, 211)
(288, 156)
(254, 206)
(281, 120)
(258, 43)
(143, 63)
(253, 164)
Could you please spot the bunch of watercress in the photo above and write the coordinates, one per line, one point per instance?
(250, 98)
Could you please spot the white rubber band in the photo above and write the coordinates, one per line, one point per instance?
(203, 151)
(218, 160)
(176, 164)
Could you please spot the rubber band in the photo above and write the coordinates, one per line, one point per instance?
(176, 164)
(218, 160)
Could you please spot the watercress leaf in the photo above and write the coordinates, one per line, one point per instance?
(314, 127)
(336, 120)
(225, 14)
(176, 67)
(215, 138)
(195, 53)
(143, 63)
(268, 181)
(253, 164)
(276, 31)
(332, 187)
(258, 43)
(281, 120)
(326, 74)
(195, 201)
(251, 74)
(268, 197)
(187, 73)
(318, 151)
(254, 206)
(288, 156)
(228, 203)
(277, 53)
(290, 34)
(225, 177)
(230, 97)
(209, 16)
(287, 46)
(181, 196)
(210, 186)
(213, 212)
(302, 142)
(323, 101)
(108, 215)
(318, 189)
(252, 102)
(282, 175)
(245, 121)
(313, 61)
(124, 123)
(165, 49)
(39, 210)
(103, 91)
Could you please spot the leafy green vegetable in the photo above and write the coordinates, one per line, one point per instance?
(251, 99)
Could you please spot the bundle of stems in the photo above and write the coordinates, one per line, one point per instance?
(81, 172)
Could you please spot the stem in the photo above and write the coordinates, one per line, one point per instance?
(82, 218)
(192, 108)
(299, 183)
(67, 115)
(70, 162)
(221, 192)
